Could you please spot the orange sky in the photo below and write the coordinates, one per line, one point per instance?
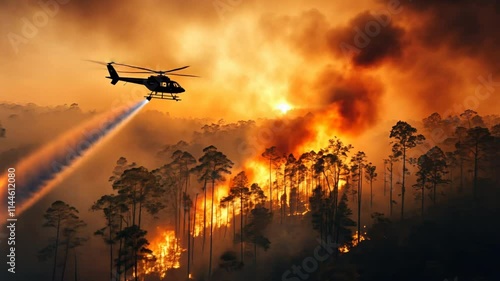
(252, 56)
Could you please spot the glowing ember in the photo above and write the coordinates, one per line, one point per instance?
(362, 237)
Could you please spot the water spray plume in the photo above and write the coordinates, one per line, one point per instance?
(38, 173)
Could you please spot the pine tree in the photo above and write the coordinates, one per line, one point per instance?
(405, 138)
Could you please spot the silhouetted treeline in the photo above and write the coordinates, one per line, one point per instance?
(449, 166)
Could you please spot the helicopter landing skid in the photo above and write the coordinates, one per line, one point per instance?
(162, 96)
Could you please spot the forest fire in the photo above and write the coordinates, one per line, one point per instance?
(201, 218)
(166, 254)
(285, 180)
(362, 237)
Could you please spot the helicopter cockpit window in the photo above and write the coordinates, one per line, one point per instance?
(176, 85)
(164, 84)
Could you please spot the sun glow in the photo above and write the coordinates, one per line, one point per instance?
(283, 107)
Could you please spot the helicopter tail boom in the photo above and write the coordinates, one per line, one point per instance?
(113, 75)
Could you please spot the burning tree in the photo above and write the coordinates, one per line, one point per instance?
(213, 165)
(343, 222)
(359, 162)
(181, 162)
(272, 155)
(138, 189)
(239, 192)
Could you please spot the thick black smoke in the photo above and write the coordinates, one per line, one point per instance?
(368, 39)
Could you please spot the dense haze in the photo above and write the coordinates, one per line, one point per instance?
(350, 70)
(254, 54)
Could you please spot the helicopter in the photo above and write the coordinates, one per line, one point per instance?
(160, 85)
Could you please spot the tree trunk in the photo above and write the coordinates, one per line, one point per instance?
(390, 191)
(227, 222)
(241, 224)
(371, 193)
(65, 259)
(76, 265)
(140, 214)
(204, 216)
(56, 250)
(327, 183)
(194, 229)
(184, 214)
(234, 220)
(403, 185)
(110, 250)
(297, 198)
(423, 196)
(133, 208)
(179, 207)
(283, 203)
(184, 224)
(476, 156)
(211, 231)
(118, 268)
(189, 244)
(360, 190)
(135, 266)
(270, 187)
(385, 178)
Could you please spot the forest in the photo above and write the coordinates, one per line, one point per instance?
(424, 212)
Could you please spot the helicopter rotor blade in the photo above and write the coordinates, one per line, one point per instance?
(175, 69)
(137, 67)
(186, 75)
(99, 62)
(148, 72)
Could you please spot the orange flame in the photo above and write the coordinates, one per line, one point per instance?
(362, 237)
(167, 252)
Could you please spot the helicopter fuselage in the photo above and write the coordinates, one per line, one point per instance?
(163, 84)
(154, 83)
